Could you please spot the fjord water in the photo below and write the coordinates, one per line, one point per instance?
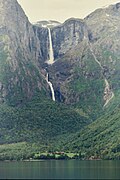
(71, 169)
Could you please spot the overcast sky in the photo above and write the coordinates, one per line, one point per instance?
(61, 9)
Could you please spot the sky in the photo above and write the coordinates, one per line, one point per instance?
(60, 10)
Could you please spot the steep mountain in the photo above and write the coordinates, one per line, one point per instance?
(87, 51)
(55, 79)
(100, 139)
(82, 53)
(85, 74)
(72, 74)
(27, 112)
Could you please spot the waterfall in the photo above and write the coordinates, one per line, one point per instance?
(108, 93)
(51, 87)
(51, 54)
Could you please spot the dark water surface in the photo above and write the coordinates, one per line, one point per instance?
(71, 169)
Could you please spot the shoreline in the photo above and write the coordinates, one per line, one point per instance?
(41, 160)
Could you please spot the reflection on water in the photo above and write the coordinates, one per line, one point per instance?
(71, 169)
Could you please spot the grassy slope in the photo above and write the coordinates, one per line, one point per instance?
(100, 138)
(38, 120)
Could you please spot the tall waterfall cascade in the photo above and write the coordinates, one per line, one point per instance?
(50, 61)
(51, 87)
(51, 53)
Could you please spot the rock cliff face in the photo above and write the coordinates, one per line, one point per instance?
(19, 55)
(67, 36)
(42, 34)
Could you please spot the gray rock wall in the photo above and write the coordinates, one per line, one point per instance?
(67, 36)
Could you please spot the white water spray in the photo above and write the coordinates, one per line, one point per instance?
(51, 54)
(51, 87)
